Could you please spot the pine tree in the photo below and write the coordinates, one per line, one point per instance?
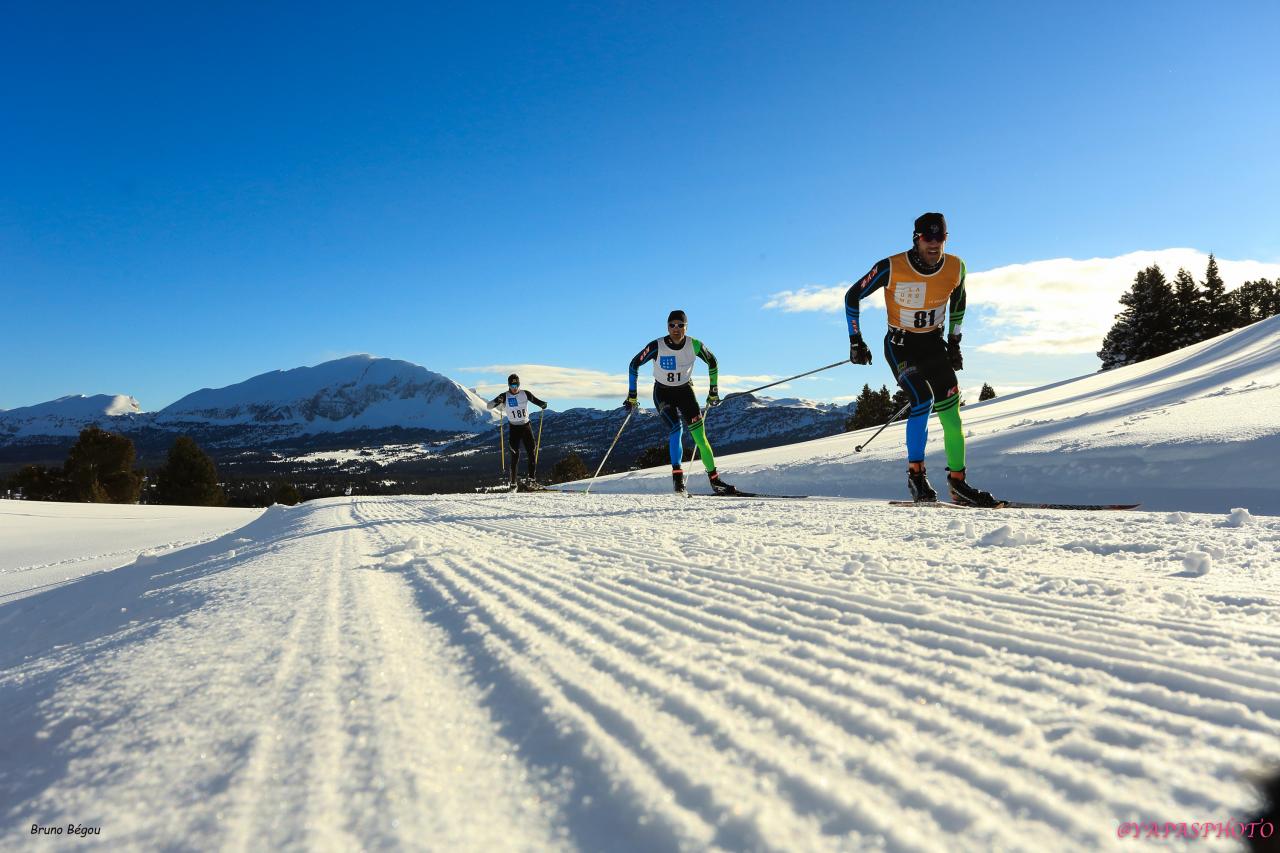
(1188, 323)
(99, 468)
(987, 393)
(1254, 301)
(1146, 326)
(189, 477)
(868, 410)
(896, 403)
(654, 456)
(286, 494)
(1216, 306)
(39, 483)
(1157, 331)
(569, 469)
(1269, 297)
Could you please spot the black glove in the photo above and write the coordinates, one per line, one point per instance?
(713, 397)
(858, 351)
(544, 406)
(953, 353)
(630, 403)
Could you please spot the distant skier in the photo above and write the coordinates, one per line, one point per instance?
(673, 362)
(922, 287)
(515, 405)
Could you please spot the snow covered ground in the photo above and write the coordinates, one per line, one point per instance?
(645, 673)
(45, 544)
(1196, 430)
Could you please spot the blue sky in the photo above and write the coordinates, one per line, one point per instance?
(192, 196)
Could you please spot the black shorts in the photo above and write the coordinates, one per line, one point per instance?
(920, 364)
(675, 403)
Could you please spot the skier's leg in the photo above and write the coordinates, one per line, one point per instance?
(691, 413)
(671, 417)
(952, 431)
(947, 405)
(527, 438)
(921, 396)
(699, 433)
(515, 451)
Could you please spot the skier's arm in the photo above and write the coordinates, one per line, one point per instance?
(495, 402)
(868, 285)
(533, 399)
(649, 353)
(713, 371)
(955, 309)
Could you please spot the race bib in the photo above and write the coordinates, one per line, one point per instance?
(921, 320)
(667, 362)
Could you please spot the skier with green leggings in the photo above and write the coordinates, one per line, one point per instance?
(673, 362)
(923, 289)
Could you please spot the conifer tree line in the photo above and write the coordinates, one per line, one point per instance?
(1161, 316)
(875, 407)
(100, 469)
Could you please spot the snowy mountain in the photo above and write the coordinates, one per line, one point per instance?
(357, 392)
(66, 416)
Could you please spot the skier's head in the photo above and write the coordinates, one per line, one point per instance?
(930, 235)
(513, 382)
(677, 322)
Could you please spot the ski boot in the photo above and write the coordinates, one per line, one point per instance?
(963, 493)
(718, 486)
(918, 485)
(677, 481)
(514, 485)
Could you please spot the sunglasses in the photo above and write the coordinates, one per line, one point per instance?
(676, 325)
(926, 238)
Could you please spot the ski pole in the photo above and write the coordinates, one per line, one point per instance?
(707, 412)
(502, 449)
(610, 450)
(538, 446)
(788, 379)
(858, 449)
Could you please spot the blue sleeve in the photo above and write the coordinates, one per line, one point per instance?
(649, 353)
(869, 284)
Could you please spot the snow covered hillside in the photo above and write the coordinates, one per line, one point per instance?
(46, 544)
(638, 672)
(1196, 430)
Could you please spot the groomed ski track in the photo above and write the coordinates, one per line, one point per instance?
(638, 672)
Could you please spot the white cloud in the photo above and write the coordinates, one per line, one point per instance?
(828, 299)
(574, 383)
(550, 382)
(1056, 307)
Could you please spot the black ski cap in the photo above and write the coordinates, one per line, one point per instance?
(513, 380)
(931, 225)
(677, 315)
